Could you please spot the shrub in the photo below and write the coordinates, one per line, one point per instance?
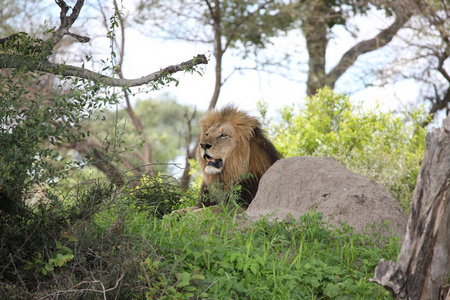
(69, 247)
(382, 146)
(159, 195)
(34, 246)
(35, 119)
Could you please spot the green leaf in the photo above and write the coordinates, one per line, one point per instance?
(198, 277)
(254, 267)
(69, 237)
(332, 290)
(182, 284)
(184, 279)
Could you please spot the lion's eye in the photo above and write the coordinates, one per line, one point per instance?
(223, 135)
(206, 134)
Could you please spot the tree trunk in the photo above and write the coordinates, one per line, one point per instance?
(315, 32)
(423, 267)
(218, 53)
(190, 153)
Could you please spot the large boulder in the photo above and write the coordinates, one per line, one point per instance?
(296, 185)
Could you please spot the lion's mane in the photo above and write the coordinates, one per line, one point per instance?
(245, 164)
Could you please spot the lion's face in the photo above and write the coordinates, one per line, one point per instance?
(217, 144)
(232, 150)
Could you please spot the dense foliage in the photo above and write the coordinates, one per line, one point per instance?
(382, 146)
(224, 257)
(38, 113)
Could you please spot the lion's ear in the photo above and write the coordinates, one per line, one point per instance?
(248, 128)
(257, 132)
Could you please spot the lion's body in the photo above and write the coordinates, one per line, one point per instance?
(233, 150)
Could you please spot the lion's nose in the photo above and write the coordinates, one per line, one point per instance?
(205, 146)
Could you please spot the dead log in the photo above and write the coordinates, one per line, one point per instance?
(422, 270)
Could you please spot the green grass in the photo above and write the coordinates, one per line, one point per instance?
(225, 257)
(123, 251)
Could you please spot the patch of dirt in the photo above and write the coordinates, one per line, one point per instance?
(294, 186)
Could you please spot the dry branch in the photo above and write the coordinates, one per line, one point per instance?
(365, 46)
(8, 61)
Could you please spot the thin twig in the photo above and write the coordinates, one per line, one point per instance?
(74, 290)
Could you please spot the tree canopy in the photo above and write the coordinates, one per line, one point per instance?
(412, 33)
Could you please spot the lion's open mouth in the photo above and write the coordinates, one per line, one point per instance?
(216, 163)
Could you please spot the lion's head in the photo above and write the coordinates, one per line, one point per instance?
(232, 145)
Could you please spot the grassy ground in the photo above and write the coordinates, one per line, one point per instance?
(121, 251)
(223, 257)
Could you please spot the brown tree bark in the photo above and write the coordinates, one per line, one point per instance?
(315, 31)
(216, 16)
(423, 267)
(190, 153)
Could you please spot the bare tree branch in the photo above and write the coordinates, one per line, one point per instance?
(96, 155)
(75, 289)
(8, 61)
(67, 22)
(382, 38)
(441, 69)
(190, 153)
(437, 104)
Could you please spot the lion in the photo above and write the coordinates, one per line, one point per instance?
(233, 150)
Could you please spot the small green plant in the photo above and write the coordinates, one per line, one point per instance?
(158, 194)
(182, 288)
(58, 258)
(124, 250)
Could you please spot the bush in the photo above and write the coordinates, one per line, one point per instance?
(35, 246)
(159, 195)
(385, 147)
(89, 242)
(36, 119)
(62, 250)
